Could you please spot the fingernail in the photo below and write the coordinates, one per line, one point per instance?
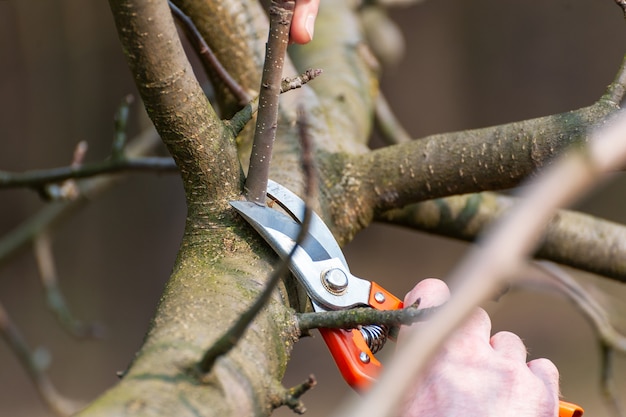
(309, 25)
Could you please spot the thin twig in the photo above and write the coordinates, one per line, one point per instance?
(53, 213)
(291, 396)
(617, 89)
(611, 340)
(120, 135)
(231, 337)
(60, 405)
(489, 265)
(280, 13)
(39, 178)
(243, 116)
(388, 124)
(209, 60)
(54, 296)
(587, 305)
(354, 317)
(291, 83)
(608, 382)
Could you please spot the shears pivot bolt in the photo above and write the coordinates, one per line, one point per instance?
(335, 281)
(379, 297)
(364, 357)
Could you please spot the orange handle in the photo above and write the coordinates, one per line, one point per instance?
(569, 409)
(357, 364)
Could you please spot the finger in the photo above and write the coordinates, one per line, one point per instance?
(547, 371)
(509, 345)
(431, 292)
(303, 21)
(477, 327)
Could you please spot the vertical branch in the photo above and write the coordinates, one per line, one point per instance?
(280, 13)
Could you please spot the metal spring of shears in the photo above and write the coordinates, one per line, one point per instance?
(375, 336)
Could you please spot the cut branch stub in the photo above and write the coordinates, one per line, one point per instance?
(280, 13)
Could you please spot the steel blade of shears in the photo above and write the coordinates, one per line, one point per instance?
(309, 261)
(295, 207)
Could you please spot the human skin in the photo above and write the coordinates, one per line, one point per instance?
(476, 374)
(303, 21)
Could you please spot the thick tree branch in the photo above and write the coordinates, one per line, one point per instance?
(571, 238)
(491, 158)
(194, 135)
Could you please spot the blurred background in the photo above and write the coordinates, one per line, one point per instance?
(467, 65)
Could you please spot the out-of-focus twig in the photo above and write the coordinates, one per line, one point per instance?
(60, 405)
(388, 124)
(611, 340)
(39, 178)
(54, 296)
(54, 212)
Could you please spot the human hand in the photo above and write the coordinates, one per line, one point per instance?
(475, 375)
(303, 21)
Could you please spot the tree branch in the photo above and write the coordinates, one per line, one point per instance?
(209, 60)
(193, 133)
(355, 317)
(39, 178)
(56, 212)
(54, 296)
(571, 238)
(60, 405)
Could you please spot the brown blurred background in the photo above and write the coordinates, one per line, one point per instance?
(467, 64)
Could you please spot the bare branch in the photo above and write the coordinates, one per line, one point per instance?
(617, 89)
(355, 317)
(54, 213)
(54, 296)
(243, 116)
(39, 178)
(389, 126)
(571, 238)
(190, 128)
(121, 122)
(280, 12)
(208, 58)
(32, 363)
(291, 396)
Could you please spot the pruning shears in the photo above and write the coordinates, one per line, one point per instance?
(320, 266)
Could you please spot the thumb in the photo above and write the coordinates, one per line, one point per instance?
(431, 292)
